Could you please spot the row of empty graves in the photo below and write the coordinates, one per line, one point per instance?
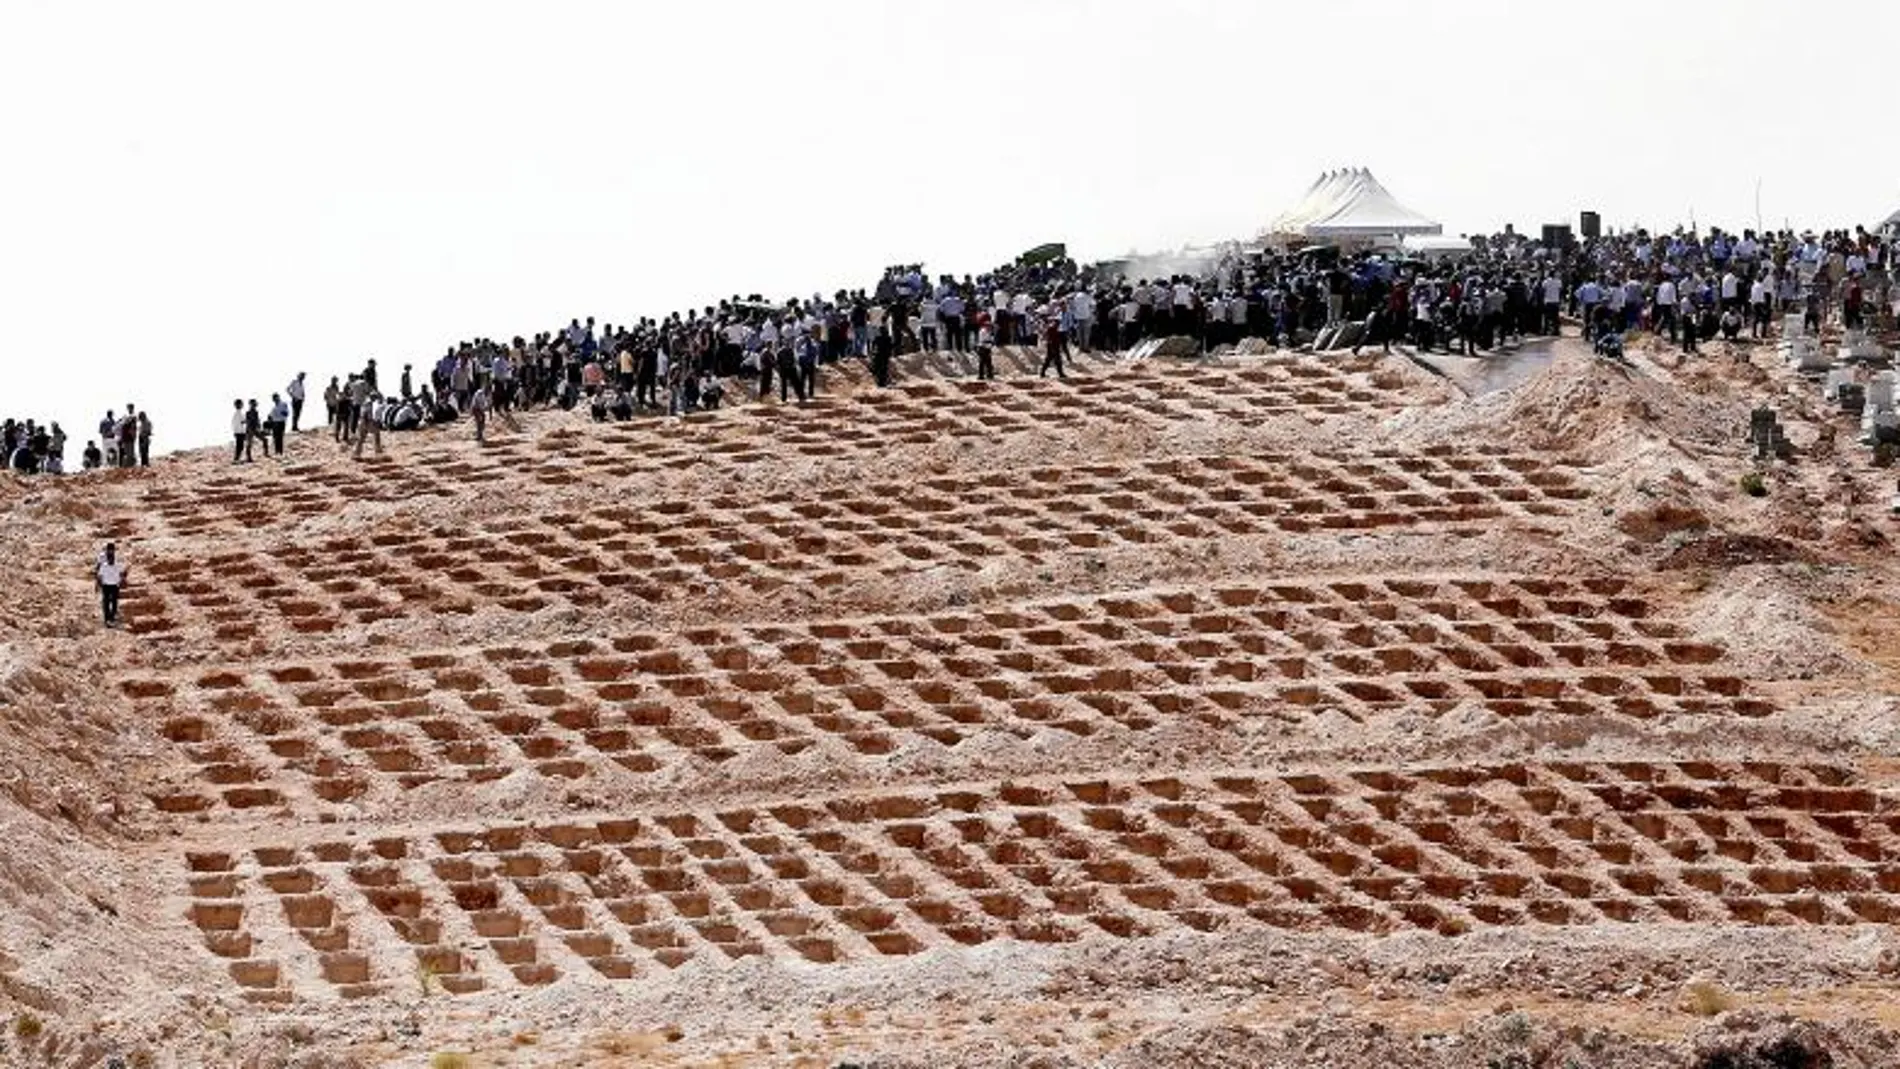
(831, 542)
(875, 422)
(361, 731)
(1447, 850)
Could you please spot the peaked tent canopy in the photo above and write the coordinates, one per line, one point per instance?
(1351, 203)
(1321, 198)
(1892, 225)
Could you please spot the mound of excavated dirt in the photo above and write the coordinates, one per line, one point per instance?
(1733, 551)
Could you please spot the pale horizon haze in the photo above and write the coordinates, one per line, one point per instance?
(200, 199)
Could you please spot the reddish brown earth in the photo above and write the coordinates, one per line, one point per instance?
(1267, 711)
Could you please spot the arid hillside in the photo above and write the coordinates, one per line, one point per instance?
(1262, 710)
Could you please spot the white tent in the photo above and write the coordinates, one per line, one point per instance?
(1351, 203)
(1321, 198)
(1435, 246)
(1892, 225)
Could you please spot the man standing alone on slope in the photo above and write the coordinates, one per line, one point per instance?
(110, 574)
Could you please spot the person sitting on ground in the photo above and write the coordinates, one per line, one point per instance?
(408, 415)
(56, 450)
(597, 408)
(620, 405)
(24, 460)
(109, 438)
(711, 391)
(92, 458)
(1731, 324)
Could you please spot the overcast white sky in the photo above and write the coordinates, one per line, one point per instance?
(198, 199)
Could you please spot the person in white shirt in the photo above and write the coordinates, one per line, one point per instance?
(1761, 306)
(274, 425)
(1082, 310)
(950, 313)
(927, 323)
(110, 573)
(240, 434)
(1589, 295)
(296, 392)
(370, 426)
(1127, 323)
(1666, 308)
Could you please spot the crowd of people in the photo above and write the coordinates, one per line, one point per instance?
(1686, 287)
(32, 448)
(1689, 287)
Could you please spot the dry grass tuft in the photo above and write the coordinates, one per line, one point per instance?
(1705, 999)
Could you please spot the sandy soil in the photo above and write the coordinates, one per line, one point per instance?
(1269, 710)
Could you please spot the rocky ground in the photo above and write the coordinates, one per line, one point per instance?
(1268, 710)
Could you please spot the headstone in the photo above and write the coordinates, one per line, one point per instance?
(1765, 434)
(1805, 354)
(1177, 346)
(1880, 392)
(1836, 378)
(1860, 346)
(1885, 427)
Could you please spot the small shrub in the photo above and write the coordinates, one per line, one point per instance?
(1753, 485)
(1516, 1030)
(1709, 1000)
(28, 1027)
(425, 979)
(1883, 455)
(448, 1059)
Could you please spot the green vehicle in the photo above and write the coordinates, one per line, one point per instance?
(1043, 254)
